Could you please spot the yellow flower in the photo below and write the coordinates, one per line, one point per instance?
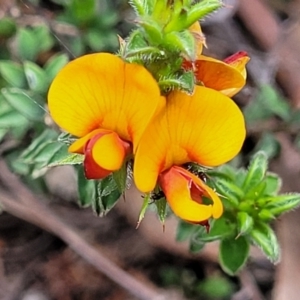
(207, 128)
(107, 103)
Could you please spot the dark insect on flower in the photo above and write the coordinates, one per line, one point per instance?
(157, 195)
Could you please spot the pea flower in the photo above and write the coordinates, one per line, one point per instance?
(227, 76)
(207, 128)
(106, 103)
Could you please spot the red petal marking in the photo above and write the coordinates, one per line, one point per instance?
(234, 57)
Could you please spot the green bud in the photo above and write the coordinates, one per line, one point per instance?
(246, 206)
(266, 215)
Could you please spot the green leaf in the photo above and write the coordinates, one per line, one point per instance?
(153, 31)
(13, 73)
(45, 154)
(27, 45)
(264, 237)
(55, 64)
(282, 203)
(220, 228)
(161, 206)
(3, 132)
(244, 223)
(256, 171)
(173, 81)
(266, 215)
(196, 246)
(13, 119)
(121, 178)
(60, 158)
(229, 191)
(140, 7)
(42, 33)
(184, 231)
(225, 171)
(234, 254)
(267, 103)
(7, 27)
(143, 209)
(86, 189)
(106, 197)
(25, 103)
(201, 9)
(37, 144)
(273, 184)
(257, 191)
(83, 11)
(268, 144)
(36, 77)
(183, 41)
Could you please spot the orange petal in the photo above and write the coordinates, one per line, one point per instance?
(177, 184)
(102, 91)
(207, 128)
(237, 61)
(217, 75)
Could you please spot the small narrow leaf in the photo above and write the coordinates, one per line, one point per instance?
(27, 44)
(184, 41)
(282, 203)
(106, 197)
(36, 77)
(38, 143)
(264, 237)
(13, 73)
(229, 191)
(201, 9)
(55, 64)
(220, 228)
(234, 254)
(161, 206)
(25, 103)
(244, 223)
(184, 231)
(273, 184)
(143, 209)
(86, 189)
(256, 171)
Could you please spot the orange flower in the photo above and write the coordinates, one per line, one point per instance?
(101, 99)
(228, 76)
(180, 187)
(207, 128)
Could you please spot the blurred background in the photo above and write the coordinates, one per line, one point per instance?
(39, 256)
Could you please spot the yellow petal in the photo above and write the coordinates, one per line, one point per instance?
(177, 183)
(78, 145)
(196, 30)
(108, 151)
(217, 75)
(102, 91)
(206, 127)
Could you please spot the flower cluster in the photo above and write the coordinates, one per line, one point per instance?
(118, 112)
